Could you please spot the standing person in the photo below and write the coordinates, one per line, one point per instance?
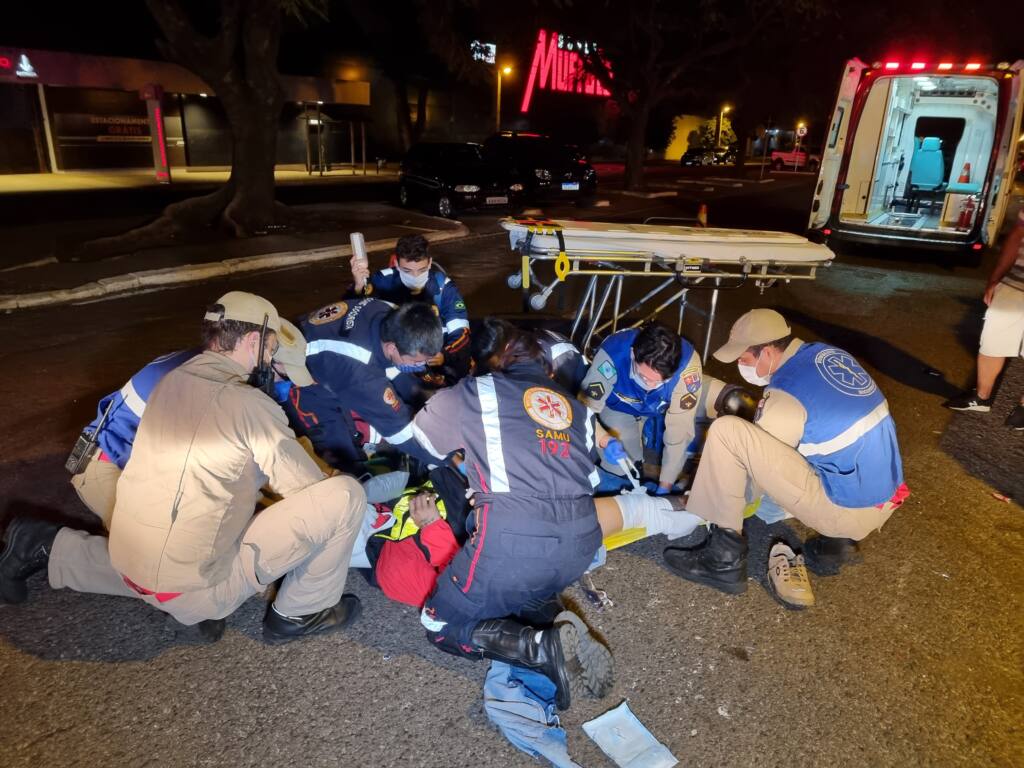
(1003, 333)
(823, 447)
(183, 536)
(641, 376)
(363, 356)
(529, 449)
(415, 277)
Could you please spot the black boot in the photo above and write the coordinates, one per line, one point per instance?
(566, 654)
(720, 562)
(27, 546)
(280, 629)
(825, 555)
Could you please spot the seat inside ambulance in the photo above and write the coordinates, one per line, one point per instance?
(922, 149)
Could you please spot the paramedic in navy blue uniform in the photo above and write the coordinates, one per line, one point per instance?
(823, 447)
(363, 356)
(638, 375)
(415, 277)
(529, 455)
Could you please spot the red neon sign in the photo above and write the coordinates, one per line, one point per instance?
(557, 69)
(5, 63)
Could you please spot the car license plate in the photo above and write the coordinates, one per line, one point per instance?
(570, 186)
(497, 200)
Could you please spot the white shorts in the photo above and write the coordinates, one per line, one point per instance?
(1003, 333)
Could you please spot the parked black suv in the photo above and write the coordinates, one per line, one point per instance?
(445, 178)
(545, 168)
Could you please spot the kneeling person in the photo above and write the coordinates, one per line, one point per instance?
(183, 537)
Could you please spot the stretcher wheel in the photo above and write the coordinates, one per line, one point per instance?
(515, 281)
(538, 301)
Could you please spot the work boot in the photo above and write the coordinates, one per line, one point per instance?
(27, 546)
(825, 555)
(719, 562)
(1015, 420)
(278, 628)
(566, 654)
(203, 633)
(788, 581)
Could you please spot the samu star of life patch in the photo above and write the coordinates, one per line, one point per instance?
(548, 408)
(328, 314)
(391, 398)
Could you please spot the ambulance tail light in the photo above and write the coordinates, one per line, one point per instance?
(972, 67)
(917, 66)
(945, 66)
(892, 65)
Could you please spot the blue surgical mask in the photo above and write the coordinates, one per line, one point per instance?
(412, 367)
(281, 390)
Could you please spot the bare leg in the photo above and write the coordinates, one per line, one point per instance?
(988, 370)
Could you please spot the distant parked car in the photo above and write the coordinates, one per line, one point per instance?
(697, 156)
(545, 168)
(795, 160)
(445, 178)
(725, 155)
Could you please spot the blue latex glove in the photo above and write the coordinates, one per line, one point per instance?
(615, 452)
(662, 491)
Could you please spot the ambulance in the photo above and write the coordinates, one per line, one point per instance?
(920, 153)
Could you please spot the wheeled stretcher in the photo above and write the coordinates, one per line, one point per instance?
(677, 259)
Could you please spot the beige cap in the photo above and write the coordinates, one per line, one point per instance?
(246, 308)
(291, 354)
(758, 326)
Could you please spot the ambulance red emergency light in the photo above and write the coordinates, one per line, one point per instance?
(920, 152)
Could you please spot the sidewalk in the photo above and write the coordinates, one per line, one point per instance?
(46, 281)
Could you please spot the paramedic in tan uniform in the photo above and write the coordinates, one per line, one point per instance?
(183, 537)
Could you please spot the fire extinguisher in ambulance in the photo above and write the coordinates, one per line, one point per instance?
(966, 213)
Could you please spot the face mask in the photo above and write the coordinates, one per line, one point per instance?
(282, 390)
(634, 374)
(414, 282)
(412, 367)
(749, 374)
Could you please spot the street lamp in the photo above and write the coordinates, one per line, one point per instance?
(718, 133)
(504, 71)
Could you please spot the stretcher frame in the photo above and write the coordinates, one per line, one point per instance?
(608, 269)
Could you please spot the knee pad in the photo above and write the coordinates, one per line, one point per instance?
(736, 401)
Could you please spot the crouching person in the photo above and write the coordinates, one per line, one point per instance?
(183, 536)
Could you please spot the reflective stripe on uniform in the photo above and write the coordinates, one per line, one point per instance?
(346, 348)
(492, 433)
(423, 440)
(456, 324)
(131, 398)
(392, 372)
(849, 436)
(387, 272)
(406, 433)
(561, 348)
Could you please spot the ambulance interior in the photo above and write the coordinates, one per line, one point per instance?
(921, 153)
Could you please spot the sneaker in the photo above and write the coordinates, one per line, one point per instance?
(969, 401)
(1015, 420)
(788, 580)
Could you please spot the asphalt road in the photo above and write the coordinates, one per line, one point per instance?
(913, 657)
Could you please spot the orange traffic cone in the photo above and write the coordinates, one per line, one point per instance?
(702, 215)
(965, 174)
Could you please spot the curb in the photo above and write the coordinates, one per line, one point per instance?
(160, 279)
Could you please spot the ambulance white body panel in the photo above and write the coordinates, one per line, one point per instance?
(920, 154)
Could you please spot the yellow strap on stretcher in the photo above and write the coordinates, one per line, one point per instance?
(544, 227)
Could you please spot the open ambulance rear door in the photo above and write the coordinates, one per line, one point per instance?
(835, 144)
(1006, 158)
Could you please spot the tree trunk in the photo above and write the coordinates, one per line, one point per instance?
(402, 117)
(253, 117)
(421, 111)
(742, 131)
(636, 149)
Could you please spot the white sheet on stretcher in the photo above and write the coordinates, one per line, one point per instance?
(723, 246)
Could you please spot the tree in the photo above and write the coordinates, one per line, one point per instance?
(235, 52)
(653, 52)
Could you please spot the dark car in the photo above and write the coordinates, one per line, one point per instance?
(725, 155)
(697, 156)
(445, 178)
(545, 168)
